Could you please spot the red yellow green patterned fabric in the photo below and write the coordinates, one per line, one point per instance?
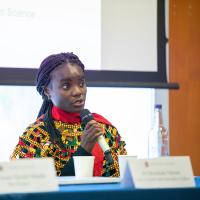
(35, 143)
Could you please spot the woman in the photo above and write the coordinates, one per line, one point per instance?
(58, 131)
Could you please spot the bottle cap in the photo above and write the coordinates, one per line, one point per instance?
(158, 106)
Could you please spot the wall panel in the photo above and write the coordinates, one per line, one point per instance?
(184, 68)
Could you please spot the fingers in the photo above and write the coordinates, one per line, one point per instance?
(93, 127)
(92, 138)
(92, 130)
(90, 135)
(93, 124)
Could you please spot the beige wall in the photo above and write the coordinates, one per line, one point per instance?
(184, 68)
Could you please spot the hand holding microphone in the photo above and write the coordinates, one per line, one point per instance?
(92, 134)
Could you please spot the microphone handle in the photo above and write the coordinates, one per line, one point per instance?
(103, 144)
(106, 149)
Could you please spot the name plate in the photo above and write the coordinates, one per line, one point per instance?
(165, 172)
(28, 175)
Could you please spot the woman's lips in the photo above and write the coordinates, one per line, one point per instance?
(78, 103)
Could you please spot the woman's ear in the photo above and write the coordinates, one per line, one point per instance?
(47, 92)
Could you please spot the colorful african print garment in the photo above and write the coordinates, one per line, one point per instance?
(35, 143)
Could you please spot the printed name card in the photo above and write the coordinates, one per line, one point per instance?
(28, 175)
(165, 172)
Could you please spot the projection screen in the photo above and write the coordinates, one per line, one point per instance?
(117, 40)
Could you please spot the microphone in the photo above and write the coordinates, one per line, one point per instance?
(87, 116)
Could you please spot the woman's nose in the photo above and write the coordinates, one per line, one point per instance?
(76, 91)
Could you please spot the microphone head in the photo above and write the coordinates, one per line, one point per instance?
(86, 116)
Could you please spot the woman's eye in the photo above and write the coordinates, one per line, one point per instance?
(82, 83)
(65, 86)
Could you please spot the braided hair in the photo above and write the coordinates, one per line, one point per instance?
(43, 79)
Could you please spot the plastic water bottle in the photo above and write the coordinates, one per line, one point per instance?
(158, 139)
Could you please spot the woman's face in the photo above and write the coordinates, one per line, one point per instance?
(67, 89)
